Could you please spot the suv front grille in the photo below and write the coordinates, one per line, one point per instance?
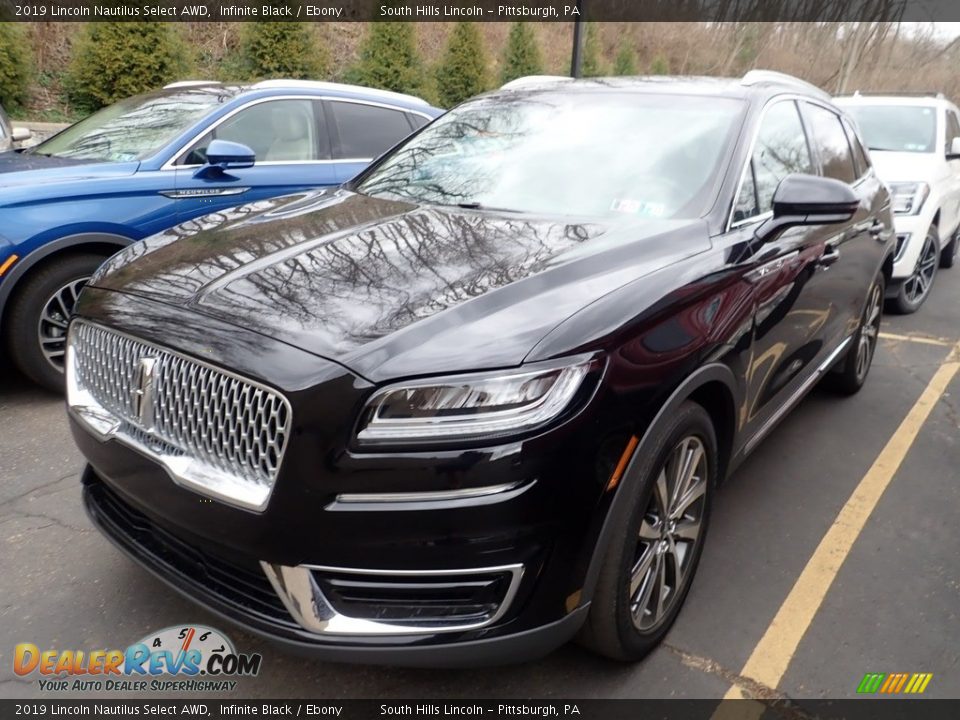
(212, 430)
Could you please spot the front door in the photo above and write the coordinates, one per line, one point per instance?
(292, 150)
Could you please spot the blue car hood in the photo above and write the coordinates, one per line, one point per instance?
(18, 169)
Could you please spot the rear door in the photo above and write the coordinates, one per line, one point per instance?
(292, 146)
(856, 247)
(362, 131)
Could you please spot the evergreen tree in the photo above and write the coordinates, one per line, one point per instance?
(660, 66)
(462, 72)
(280, 50)
(626, 61)
(522, 56)
(592, 64)
(114, 60)
(14, 65)
(389, 59)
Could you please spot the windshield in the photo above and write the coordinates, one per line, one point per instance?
(601, 154)
(132, 129)
(897, 128)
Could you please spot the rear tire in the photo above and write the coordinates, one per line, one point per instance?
(657, 544)
(38, 313)
(851, 374)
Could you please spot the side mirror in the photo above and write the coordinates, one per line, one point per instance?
(226, 155)
(954, 152)
(808, 200)
(20, 134)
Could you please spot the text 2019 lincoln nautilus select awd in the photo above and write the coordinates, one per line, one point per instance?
(478, 401)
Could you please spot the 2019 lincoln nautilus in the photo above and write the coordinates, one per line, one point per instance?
(477, 401)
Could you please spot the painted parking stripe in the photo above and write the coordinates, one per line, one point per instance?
(923, 339)
(770, 658)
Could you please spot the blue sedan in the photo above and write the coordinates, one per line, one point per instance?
(153, 161)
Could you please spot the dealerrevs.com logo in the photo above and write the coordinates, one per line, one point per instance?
(179, 658)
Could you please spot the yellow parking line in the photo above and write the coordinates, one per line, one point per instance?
(942, 342)
(772, 655)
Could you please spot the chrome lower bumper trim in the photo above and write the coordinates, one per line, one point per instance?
(303, 598)
(441, 499)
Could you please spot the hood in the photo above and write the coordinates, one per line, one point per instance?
(906, 166)
(25, 168)
(390, 289)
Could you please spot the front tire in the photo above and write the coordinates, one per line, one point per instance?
(656, 546)
(915, 289)
(948, 256)
(36, 334)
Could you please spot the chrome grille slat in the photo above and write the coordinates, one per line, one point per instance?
(226, 426)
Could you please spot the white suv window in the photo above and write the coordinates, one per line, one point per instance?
(953, 130)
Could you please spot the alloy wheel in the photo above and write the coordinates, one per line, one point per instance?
(918, 285)
(52, 327)
(669, 533)
(869, 332)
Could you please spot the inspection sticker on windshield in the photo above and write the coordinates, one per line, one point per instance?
(637, 207)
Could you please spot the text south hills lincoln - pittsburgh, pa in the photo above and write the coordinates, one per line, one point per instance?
(441, 10)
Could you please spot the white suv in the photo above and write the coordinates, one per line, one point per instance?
(914, 142)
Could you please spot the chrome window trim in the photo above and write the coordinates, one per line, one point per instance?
(306, 603)
(171, 163)
(776, 99)
(104, 425)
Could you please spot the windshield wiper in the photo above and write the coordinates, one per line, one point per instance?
(481, 206)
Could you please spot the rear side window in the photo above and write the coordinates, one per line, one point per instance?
(827, 133)
(367, 130)
(859, 154)
(780, 149)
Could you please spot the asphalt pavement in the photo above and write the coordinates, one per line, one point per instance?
(886, 601)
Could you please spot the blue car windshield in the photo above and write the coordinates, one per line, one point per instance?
(599, 154)
(135, 128)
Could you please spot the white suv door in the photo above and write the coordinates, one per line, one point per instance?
(951, 204)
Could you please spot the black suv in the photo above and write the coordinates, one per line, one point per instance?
(478, 400)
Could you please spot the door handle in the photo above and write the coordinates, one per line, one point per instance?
(829, 257)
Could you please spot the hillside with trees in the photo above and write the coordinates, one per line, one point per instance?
(59, 71)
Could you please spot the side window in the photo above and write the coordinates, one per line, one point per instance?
(367, 130)
(277, 131)
(953, 130)
(780, 149)
(859, 154)
(417, 121)
(836, 157)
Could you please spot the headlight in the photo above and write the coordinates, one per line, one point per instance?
(472, 407)
(908, 198)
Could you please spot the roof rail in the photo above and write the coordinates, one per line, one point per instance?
(533, 80)
(755, 77)
(908, 93)
(339, 87)
(190, 83)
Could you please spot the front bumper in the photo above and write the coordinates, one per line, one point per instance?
(246, 598)
(510, 532)
(911, 231)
